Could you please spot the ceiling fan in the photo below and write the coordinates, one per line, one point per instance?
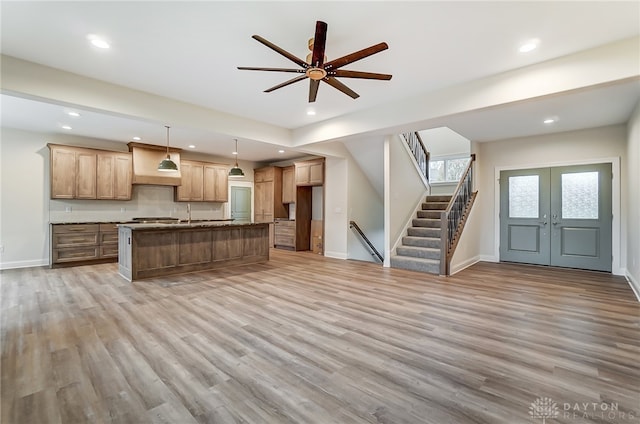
(317, 69)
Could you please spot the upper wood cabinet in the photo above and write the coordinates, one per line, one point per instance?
(310, 173)
(114, 173)
(202, 182)
(83, 173)
(289, 184)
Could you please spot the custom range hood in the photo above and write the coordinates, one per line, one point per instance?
(146, 158)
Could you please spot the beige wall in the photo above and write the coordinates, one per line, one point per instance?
(633, 200)
(585, 146)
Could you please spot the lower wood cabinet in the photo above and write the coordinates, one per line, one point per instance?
(285, 235)
(81, 244)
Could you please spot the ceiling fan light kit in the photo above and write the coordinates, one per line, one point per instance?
(316, 67)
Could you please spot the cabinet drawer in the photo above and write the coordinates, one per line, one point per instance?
(76, 228)
(75, 254)
(280, 240)
(285, 231)
(63, 240)
(109, 251)
(108, 238)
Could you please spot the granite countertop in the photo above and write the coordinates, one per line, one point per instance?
(199, 224)
(89, 222)
(129, 221)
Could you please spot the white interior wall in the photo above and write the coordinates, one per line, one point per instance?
(592, 145)
(24, 199)
(366, 208)
(444, 142)
(405, 190)
(633, 200)
(336, 221)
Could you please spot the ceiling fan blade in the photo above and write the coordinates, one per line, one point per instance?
(319, 42)
(313, 90)
(281, 51)
(340, 86)
(251, 68)
(284, 84)
(358, 74)
(350, 58)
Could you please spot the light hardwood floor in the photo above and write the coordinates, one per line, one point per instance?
(308, 339)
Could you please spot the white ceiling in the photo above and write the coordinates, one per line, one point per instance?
(189, 51)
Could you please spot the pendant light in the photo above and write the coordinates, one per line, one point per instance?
(236, 172)
(167, 165)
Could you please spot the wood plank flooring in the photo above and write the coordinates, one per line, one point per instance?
(308, 339)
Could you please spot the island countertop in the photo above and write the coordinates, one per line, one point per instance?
(185, 224)
(158, 249)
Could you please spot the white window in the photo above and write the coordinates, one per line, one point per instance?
(447, 170)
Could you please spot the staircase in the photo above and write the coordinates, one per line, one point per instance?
(420, 249)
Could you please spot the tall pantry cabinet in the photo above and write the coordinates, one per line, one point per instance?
(268, 196)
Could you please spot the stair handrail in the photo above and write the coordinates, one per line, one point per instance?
(374, 251)
(453, 218)
(419, 151)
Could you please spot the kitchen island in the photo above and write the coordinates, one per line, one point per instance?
(156, 249)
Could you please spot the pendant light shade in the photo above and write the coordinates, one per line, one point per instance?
(167, 165)
(236, 172)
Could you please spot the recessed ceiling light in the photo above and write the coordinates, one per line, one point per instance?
(74, 114)
(311, 112)
(529, 46)
(280, 151)
(136, 138)
(549, 121)
(98, 41)
(66, 127)
(191, 146)
(234, 153)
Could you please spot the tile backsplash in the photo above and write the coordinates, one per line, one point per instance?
(146, 200)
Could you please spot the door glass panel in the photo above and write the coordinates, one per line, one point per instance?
(523, 196)
(580, 195)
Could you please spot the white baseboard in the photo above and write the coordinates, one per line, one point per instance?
(336, 255)
(635, 285)
(24, 264)
(466, 264)
(489, 258)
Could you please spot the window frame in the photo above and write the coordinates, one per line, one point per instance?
(446, 160)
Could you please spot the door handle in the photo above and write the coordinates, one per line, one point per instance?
(542, 222)
(555, 223)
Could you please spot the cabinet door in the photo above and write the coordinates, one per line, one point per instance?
(302, 174)
(288, 185)
(183, 191)
(122, 176)
(105, 176)
(221, 184)
(197, 182)
(316, 173)
(264, 202)
(209, 183)
(216, 184)
(86, 175)
(63, 173)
